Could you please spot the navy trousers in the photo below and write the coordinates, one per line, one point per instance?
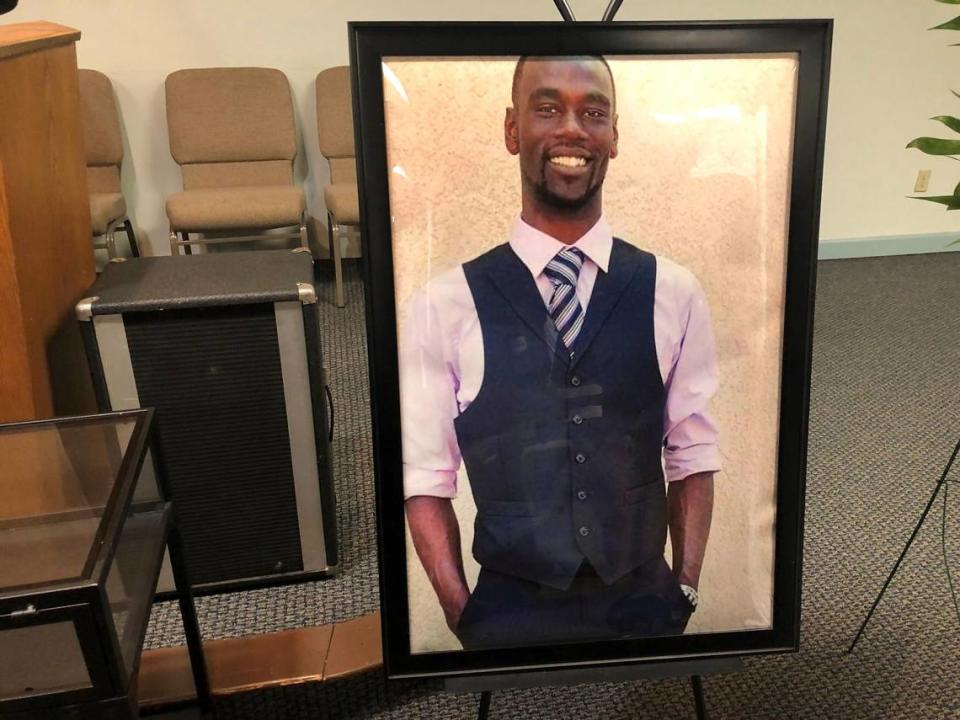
(506, 611)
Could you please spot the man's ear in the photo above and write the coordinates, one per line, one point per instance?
(510, 131)
(616, 137)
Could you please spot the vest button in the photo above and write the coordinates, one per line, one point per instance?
(584, 531)
(581, 495)
(575, 381)
(577, 419)
(581, 458)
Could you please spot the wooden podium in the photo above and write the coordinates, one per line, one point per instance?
(46, 253)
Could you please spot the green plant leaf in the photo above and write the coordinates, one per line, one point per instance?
(950, 2)
(949, 25)
(935, 146)
(951, 122)
(955, 242)
(952, 202)
(955, 93)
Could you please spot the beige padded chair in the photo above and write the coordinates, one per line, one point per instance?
(232, 133)
(104, 147)
(335, 131)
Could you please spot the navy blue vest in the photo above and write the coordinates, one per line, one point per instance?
(564, 454)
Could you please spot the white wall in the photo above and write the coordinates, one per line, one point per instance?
(889, 75)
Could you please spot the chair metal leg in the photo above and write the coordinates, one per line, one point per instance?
(304, 241)
(174, 243)
(111, 243)
(110, 239)
(330, 233)
(333, 230)
(131, 238)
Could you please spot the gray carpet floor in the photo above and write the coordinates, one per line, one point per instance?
(885, 415)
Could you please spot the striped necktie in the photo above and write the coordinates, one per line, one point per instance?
(563, 271)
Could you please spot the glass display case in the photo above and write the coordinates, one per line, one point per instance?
(84, 522)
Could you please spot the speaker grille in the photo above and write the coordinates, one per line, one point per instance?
(213, 374)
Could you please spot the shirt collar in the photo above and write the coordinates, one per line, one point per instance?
(536, 248)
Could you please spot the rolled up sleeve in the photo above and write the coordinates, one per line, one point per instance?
(690, 433)
(428, 403)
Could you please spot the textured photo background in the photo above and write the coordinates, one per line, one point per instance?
(703, 179)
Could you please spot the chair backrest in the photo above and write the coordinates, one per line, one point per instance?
(101, 131)
(335, 123)
(231, 126)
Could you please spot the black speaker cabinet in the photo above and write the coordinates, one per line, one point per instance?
(226, 347)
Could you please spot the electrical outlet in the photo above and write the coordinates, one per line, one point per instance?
(923, 181)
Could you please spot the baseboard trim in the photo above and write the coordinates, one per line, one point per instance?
(887, 245)
(255, 662)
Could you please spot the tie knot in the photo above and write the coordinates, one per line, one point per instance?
(564, 268)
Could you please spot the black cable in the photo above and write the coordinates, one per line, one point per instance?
(906, 549)
(943, 544)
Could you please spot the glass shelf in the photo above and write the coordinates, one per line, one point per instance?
(55, 483)
(83, 528)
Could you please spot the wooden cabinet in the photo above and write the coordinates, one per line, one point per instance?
(46, 255)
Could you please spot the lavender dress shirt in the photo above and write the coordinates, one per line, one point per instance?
(441, 361)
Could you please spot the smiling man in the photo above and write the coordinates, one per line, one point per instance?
(570, 372)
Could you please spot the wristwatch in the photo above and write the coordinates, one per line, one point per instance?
(693, 597)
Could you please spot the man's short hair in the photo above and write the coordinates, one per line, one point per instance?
(518, 70)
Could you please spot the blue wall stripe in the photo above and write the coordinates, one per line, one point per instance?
(887, 245)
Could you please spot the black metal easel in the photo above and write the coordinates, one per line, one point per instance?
(696, 684)
(692, 669)
(923, 516)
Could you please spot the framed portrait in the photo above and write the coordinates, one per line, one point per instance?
(590, 255)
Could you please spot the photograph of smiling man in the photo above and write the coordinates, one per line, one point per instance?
(549, 349)
(563, 393)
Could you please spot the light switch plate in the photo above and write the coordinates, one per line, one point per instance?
(923, 181)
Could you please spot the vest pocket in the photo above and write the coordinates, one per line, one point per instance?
(484, 464)
(512, 508)
(646, 493)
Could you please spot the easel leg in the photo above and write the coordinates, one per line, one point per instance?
(484, 705)
(926, 511)
(697, 683)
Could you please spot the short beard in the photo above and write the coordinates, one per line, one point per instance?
(558, 202)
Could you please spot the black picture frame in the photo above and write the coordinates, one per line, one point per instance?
(370, 43)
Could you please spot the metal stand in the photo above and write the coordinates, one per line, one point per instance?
(694, 669)
(484, 705)
(696, 683)
(903, 554)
